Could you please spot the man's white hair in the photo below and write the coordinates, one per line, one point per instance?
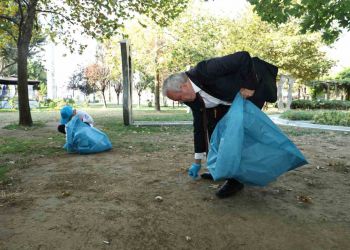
(174, 81)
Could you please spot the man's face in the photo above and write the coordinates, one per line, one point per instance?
(186, 93)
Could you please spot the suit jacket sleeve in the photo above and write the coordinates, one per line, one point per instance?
(199, 133)
(237, 63)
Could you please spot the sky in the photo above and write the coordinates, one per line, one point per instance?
(65, 63)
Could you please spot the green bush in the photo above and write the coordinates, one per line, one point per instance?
(57, 103)
(320, 104)
(52, 104)
(333, 118)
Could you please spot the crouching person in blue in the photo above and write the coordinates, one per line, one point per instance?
(67, 113)
(209, 89)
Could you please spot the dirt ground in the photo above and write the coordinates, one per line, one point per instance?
(107, 200)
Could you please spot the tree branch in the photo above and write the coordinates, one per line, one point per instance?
(9, 65)
(10, 19)
(26, 3)
(20, 25)
(56, 13)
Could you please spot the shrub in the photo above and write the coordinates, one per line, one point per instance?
(298, 115)
(333, 118)
(320, 104)
(57, 103)
(13, 102)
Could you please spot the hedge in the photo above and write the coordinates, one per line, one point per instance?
(320, 104)
(339, 118)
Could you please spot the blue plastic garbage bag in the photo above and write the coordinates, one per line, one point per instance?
(83, 139)
(248, 146)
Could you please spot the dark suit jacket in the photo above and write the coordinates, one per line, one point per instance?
(223, 77)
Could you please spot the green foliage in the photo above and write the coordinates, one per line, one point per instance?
(102, 19)
(328, 17)
(196, 35)
(146, 81)
(294, 54)
(344, 75)
(42, 91)
(320, 104)
(333, 118)
(37, 71)
(57, 103)
(13, 102)
(330, 85)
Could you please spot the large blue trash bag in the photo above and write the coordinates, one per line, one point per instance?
(248, 146)
(83, 139)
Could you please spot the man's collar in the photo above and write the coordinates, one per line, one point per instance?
(195, 87)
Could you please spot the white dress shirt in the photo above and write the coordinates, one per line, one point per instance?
(85, 117)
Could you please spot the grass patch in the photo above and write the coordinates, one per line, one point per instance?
(7, 110)
(38, 124)
(3, 171)
(297, 115)
(27, 147)
(295, 131)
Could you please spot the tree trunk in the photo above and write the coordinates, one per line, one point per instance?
(118, 99)
(25, 118)
(156, 91)
(290, 92)
(109, 93)
(157, 83)
(23, 42)
(104, 99)
(139, 100)
(279, 92)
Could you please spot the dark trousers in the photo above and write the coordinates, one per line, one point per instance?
(214, 115)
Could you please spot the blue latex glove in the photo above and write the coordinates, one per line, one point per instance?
(193, 170)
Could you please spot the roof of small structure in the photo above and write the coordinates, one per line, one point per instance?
(14, 81)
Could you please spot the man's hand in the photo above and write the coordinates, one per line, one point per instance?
(246, 93)
(193, 170)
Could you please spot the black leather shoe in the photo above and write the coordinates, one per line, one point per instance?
(230, 187)
(207, 176)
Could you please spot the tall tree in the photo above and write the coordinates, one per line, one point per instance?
(76, 80)
(149, 43)
(118, 88)
(98, 77)
(99, 18)
(326, 16)
(296, 54)
(145, 81)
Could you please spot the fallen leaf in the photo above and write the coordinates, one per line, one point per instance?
(304, 198)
